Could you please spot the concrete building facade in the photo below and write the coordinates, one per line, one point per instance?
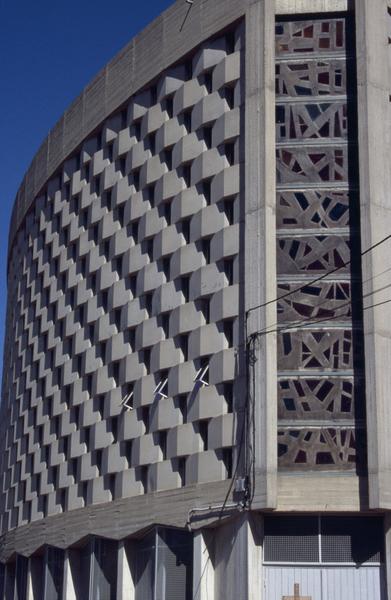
(195, 392)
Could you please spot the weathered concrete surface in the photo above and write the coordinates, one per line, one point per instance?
(374, 127)
(260, 236)
(114, 520)
(238, 559)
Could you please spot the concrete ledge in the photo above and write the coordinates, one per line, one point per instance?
(118, 519)
(322, 492)
(128, 517)
(312, 6)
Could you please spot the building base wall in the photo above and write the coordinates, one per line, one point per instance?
(251, 556)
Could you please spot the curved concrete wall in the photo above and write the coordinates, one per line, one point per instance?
(123, 300)
(170, 36)
(127, 278)
(147, 55)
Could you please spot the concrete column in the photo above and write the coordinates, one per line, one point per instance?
(203, 567)
(255, 557)
(260, 236)
(238, 559)
(30, 590)
(125, 583)
(69, 590)
(374, 119)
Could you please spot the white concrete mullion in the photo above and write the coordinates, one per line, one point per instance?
(69, 592)
(203, 568)
(238, 559)
(126, 589)
(45, 573)
(92, 544)
(29, 590)
(255, 557)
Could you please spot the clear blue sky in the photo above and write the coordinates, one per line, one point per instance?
(49, 50)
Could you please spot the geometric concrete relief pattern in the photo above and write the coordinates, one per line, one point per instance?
(320, 389)
(123, 302)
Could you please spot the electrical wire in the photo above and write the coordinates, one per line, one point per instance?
(320, 278)
(324, 318)
(303, 323)
(327, 300)
(376, 276)
(320, 304)
(251, 360)
(300, 324)
(221, 513)
(190, 3)
(250, 341)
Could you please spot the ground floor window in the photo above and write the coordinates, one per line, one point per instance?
(94, 569)
(159, 566)
(163, 565)
(323, 539)
(324, 558)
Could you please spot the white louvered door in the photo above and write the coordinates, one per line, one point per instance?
(323, 583)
